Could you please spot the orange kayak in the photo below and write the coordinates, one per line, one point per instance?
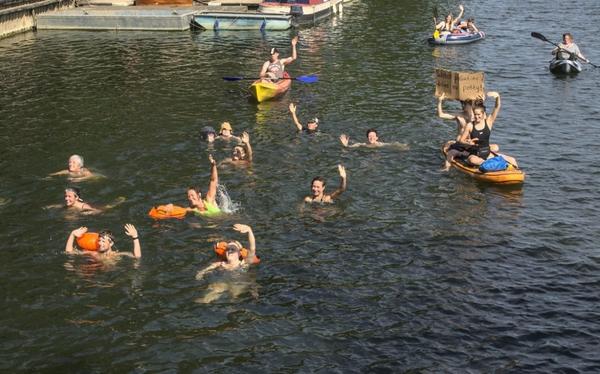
(263, 91)
(512, 175)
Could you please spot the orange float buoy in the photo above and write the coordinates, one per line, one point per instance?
(221, 252)
(165, 212)
(89, 241)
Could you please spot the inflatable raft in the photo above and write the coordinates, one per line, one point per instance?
(565, 66)
(263, 91)
(512, 175)
(461, 38)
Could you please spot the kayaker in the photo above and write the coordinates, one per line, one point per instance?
(461, 119)
(450, 23)
(318, 189)
(226, 133)
(207, 206)
(106, 242)
(272, 70)
(311, 127)
(75, 169)
(568, 50)
(241, 154)
(477, 133)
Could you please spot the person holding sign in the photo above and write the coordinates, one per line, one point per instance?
(477, 133)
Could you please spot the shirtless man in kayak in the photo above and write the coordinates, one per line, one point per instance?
(568, 50)
(318, 189)
(272, 70)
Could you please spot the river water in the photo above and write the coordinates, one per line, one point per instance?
(411, 270)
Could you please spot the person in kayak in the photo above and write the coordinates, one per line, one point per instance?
(75, 169)
(477, 133)
(449, 24)
(468, 26)
(318, 189)
(240, 154)
(272, 70)
(311, 127)
(568, 50)
(106, 242)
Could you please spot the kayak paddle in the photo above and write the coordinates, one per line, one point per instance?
(302, 78)
(539, 36)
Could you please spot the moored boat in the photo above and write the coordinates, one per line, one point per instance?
(461, 38)
(242, 21)
(512, 175)
(302, 11)
(565, 66)
(263, 91)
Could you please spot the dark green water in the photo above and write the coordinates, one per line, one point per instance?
(412, 269)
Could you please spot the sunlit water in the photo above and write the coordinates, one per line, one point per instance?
(411, 269)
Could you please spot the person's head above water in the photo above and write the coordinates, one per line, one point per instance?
(372, 136)
(75, 163)
(233, 252)
(274, 52)
(194, 197)
(208, 133)
(313, 124)
(226, 129)
(106, 240)
(238, 153)
(317, 186)
(72, 196)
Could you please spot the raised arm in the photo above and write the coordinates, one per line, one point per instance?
(131, 231)
(246, 144)
(457, 19)
(294, 117)
(342, 187)
(251, 241)
(214, 180)
(492, 117)
(294, 55)
(74, 234)
(440, 110)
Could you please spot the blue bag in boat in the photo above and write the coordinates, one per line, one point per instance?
(497, 163)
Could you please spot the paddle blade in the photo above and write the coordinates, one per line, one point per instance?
(231, 79)
(307, 78)
(539, 36)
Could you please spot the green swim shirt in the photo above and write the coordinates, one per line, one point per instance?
(211, 210)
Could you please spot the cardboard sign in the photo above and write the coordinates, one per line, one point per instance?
(459, 85)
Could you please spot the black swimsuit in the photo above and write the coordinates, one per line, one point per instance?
(483, 141)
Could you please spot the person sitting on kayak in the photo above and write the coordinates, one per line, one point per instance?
(207, 206)
(568, 50)
(226, 133)
(241, 154)
(272, 70)
(477, 133)
(461, 119)
(318, 189)
(311, 127)
(449, 24)
(106, 242)
(75, 169)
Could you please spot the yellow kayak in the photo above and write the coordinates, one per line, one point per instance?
(263, 91)
(512, 175)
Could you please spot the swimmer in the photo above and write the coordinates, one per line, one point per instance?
(241, 154)
(311, 127)
(106, 242)
(318, 189)
(234, 259)
(208, 134)
(226, 133)
(272, 70)
(372, 141)
(74, 202)
(75, 169)
(207, 206)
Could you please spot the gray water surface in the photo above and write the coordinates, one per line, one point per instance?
(412, 269)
